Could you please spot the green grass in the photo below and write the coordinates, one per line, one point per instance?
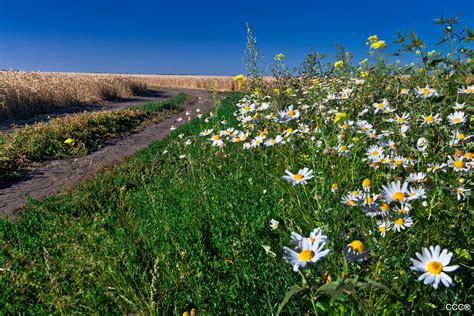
(197, 226)
(44, 141)
(161, 234)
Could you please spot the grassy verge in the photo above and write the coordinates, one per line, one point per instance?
(158, 233)
(183, 224)
(86, 131)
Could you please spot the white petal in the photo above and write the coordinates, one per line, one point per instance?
(450, 268)
(446, 279)
(429, 278)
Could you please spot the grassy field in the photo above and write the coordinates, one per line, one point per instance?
(25, 93)
(343, 189)
(75, 135)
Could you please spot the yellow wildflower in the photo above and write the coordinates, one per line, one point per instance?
(378, 44)
(279, 56)
(69, 141)
(339, 64)
(373, 38)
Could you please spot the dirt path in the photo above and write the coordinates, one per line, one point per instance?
(52, 177)
(6, 126)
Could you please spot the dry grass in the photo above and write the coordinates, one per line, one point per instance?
(25, 93)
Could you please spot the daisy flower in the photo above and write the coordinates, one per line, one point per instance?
(461, 192)
(395, 191)
(366, 184)
(430, 119)
(301, 177)
(383, 227)
(458, 137)
(401, 223)
(402, 119)
(404, 91)
(467, 90)
(356, 251)
(350, 199)
(458, 164)
(316, 236)
(374, 152)
(435, 167)
(426, 92)
(216, 140)
(459, 106)
(419, 177)
(380, 106)
(457, 117)
(273, 141)
(274, 224)
(434, 263)
(310, 253)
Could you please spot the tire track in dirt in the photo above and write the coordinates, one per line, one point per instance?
(52, 177)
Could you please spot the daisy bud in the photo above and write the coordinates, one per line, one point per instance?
(424, 203)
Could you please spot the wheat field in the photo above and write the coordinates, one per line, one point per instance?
(27, 93)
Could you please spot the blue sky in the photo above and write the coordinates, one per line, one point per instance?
(200, 37)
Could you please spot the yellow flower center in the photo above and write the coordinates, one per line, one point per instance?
(357, 246)
(306, 255)
(384, 207)
(366, 183)
(456, 120)
(401, 120)
(398, 162)
(461, 136)
(429, 119)
(291, 113)
(382, 228)
(369, 200)
(458, 163)
(298, 176)
(469, 90)
(399, 221)
(425, 91)
(435, 267)
(237, 140)
(289, 130)
(216, 137)
(375, 153)
(398, 196)
(344, 148)
(352, 202)
(380, 105)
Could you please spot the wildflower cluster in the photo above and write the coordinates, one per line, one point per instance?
(402, 134)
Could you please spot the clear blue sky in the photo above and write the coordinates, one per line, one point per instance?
(200, 37)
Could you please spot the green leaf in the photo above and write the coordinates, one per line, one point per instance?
(293, 290)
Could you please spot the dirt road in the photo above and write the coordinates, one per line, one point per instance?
(52, 177)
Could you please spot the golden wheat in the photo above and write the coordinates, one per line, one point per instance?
(24, 93)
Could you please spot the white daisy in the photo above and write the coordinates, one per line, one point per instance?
(467, 90)
(434, 263)
(401, 223)
(356, 251)
(383, 227)
(457, 117)
(380, 106)
(206, 132)
(301, 177)
(310, 253)
(430, 119)
(274, 224)
(426, 92)
(395, 191)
